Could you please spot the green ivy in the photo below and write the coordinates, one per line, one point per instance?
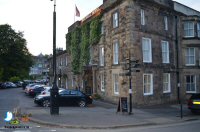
(75, 50)
(79, 41)
(68, 41)
(95, 30)
(85, 55)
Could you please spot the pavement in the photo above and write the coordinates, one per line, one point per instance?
(102, 115)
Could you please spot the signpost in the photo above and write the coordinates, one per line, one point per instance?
(130, 66)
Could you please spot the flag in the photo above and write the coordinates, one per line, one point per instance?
(77, 12)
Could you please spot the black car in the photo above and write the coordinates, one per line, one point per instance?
(194, 103)
(66, 98)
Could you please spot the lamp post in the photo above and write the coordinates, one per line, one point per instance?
(60, 76)
(54, 109)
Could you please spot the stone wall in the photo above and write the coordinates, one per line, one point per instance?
(129, 35)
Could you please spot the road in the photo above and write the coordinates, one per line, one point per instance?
(192, 126)
(12, 98)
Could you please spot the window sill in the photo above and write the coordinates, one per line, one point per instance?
(148, 94)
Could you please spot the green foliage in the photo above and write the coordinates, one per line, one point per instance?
(68, 41)
(79, 41)
(85, 55)
(95, 31)
(15, 79)
(75, 50)
(15, 58)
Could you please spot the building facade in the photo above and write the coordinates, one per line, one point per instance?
(161, 34)
(40, 69)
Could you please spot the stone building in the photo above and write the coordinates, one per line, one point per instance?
(63, 70)
(189, 50)
(153, 32)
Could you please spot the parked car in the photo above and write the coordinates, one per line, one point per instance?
(29, 86)
(194, 103)
(66, 98)
(47, 90)
(25, 83)
(18, 83)
(9, 85)
(36, 89)
(1, 85)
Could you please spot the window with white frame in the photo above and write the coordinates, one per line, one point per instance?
(146, 49)
(190, 83)
(102, 29)
(116, 84)
(115, 53)
(198, 29)
(166, 83)
(189, 29)
(190, 56)
(142, 17)
(102, 82)
(101, 56)
(165, 51)
(148, 84)
(115, 20)
(166, 22)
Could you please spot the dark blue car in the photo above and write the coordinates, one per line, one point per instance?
(66, 98)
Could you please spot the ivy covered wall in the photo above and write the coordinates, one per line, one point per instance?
(79, 41)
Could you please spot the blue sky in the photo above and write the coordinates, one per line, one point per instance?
(35, 18)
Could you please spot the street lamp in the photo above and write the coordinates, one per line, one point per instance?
(54, 109)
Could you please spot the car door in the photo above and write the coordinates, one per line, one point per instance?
(74, 97)
(64, 98)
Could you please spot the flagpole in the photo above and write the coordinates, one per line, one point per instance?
(74, 13)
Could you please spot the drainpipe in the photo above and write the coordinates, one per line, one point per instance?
(177, 67)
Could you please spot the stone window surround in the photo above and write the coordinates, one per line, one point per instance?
(148, 83)
(115, 82)
(142, 14)
(102, 82)
(187, 28)
(101, 56)
(166, 23)
(116, 52)
(116, 24)
(166, 82)
(149, 52)
(190, 83)
(165, 52)
(189, 55)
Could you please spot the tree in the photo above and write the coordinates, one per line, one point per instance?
(15, 59)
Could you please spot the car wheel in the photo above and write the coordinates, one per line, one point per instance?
(82, 103)
(46, 103)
